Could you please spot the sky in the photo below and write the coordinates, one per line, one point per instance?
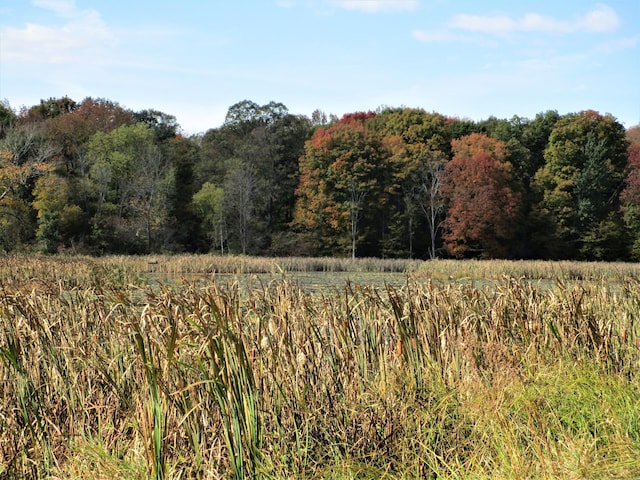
(194, 59)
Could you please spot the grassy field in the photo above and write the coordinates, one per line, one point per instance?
(234, 367)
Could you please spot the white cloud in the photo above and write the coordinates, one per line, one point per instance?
(374, 6)
(477, 23)
(601, 19)
(618, 45)
(286, 3)
(64, 8)
(81, 35)
(433, 35)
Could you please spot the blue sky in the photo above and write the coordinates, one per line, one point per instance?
(194, 59)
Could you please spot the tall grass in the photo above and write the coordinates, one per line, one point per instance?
(208, 264)
(103, 376)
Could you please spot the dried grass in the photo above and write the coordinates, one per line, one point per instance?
(103, 375)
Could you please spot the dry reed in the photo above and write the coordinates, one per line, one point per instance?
(510, 378)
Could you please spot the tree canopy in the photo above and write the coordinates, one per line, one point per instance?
(483, 198)
(95, 177)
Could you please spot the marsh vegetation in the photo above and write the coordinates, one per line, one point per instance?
(119, 367)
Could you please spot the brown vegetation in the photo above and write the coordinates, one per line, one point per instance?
(105, 375)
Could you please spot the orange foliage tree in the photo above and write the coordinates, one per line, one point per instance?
(341, 185)
(24, 156)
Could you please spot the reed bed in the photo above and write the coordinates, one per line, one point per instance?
(430, 379)
(530, 270)
(238, 264)
(126, 270)
(439, 269)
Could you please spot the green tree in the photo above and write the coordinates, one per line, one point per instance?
(244, 116)
(130, 181)
(208, 203)
(257, 148)
(420, 146)
(8, 117)
(269, 141)
(183, 229)
(535, 138)
(280, 171)
(528, 158)
(71, 131)
(47, 109)
(164, 126)
(578, 186)
(58, 220)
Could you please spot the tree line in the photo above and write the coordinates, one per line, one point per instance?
(95, 177)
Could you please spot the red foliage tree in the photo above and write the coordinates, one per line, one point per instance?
(630, 195)
(631, 192)
(484, 208)
(71, 131)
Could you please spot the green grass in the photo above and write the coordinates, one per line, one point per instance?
(461, 370)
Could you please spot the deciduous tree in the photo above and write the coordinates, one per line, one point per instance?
(239, 206)
(58, 219)
(630, 195)
(164, 126)
(264, 143)
(579, 185)
(8, 117)
(208, 203)
(25, 154)
(131, 181)
(342, 185)
(420, 146)
(484, 208)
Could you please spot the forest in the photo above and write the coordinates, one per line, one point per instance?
(94, 177)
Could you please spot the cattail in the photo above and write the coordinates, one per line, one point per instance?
(534, 326)
(301, 359)
(272, 327)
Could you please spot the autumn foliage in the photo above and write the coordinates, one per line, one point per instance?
(630, 196)
(484, 209)
(96, 177)
(342, 183)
